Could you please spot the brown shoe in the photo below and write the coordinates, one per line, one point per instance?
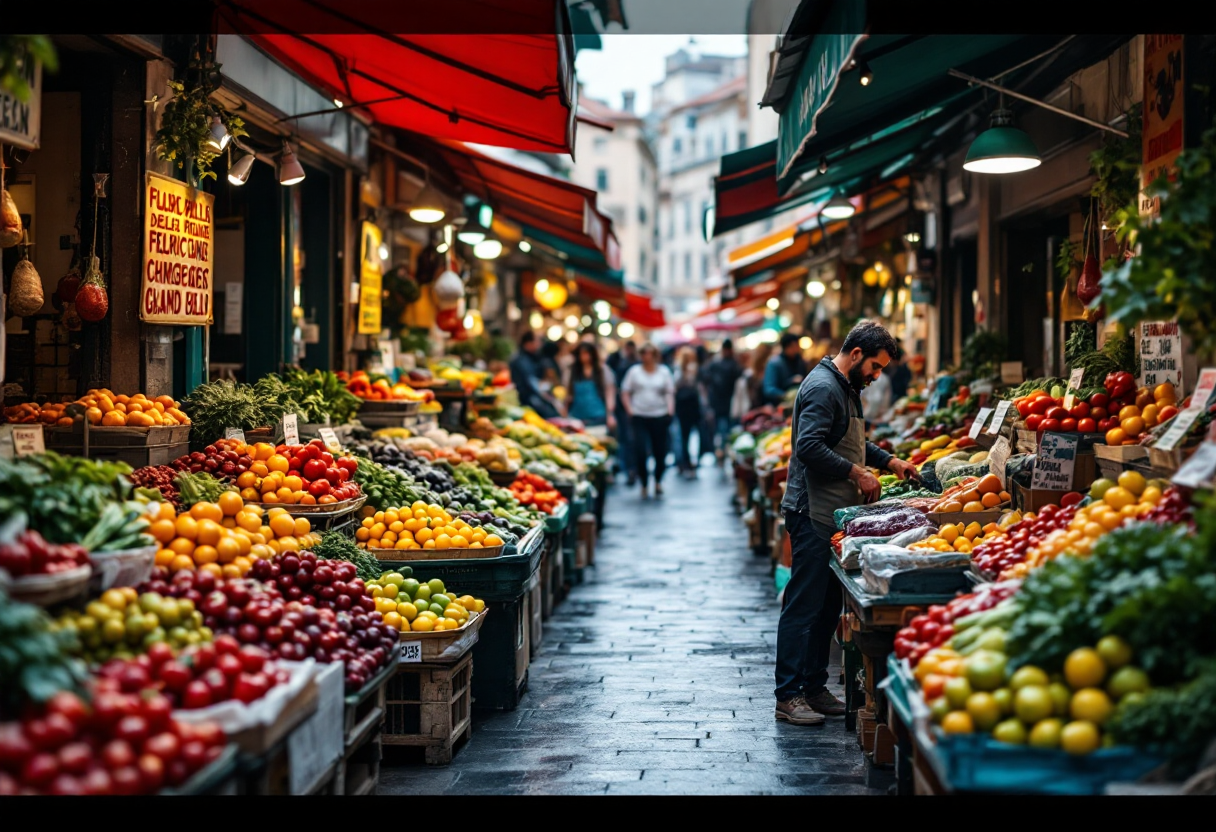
(825, 703)
(796, 711)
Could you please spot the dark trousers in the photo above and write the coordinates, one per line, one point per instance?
(650, 439)
(690, 420)
(809, 613)
(624, 442)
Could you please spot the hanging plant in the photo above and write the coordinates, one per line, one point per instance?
(1171, 274)
(1117, 168)
(185, 127)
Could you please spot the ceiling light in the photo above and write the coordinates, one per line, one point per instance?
(542, 286)
(337, 103)
(525, 246)
(586, 320)
(572, 321)
(1002, 148)
(555, 333)
(469, 321)
(773, 304)
(219, 134)
(536, 320)
(571, 336)
(471, 237)
(238, 174)
(487, 249)
(605, 329)
(625, 329)
(823, 164)
(815, 289)
(838, 208)
(602, 310)
(291, 171)
(866, 75)
(442, 248)
(836, 284)
(912, 237)
(428, 205)
(785, 320)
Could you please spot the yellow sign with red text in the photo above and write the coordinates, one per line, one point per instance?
(179, 229)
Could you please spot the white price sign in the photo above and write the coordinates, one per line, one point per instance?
(1074, 383)
(998, 420)
(998, 456)
(1055, 462)
(1160, 354)
(1198, 470)
(234, 433)
(1203, 390)
(28, 440)
(410, 652)
(1178, 430)
(980, 419)
(331, 440)
(291, 429)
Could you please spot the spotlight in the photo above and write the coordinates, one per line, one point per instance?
(238, 174)
(866, 75)
(219, 134)
(291, 171)
(428, 206)
(525, 246)
(487, 249)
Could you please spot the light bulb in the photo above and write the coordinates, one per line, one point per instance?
(291, 172)
(428, 206)
(442, 248)
(542, 286)
(384, 252)
(866, 75)
(571, 336)
(805, 342)
(471, 237)
(572, 321)
(625, 329)
(773, 304)
(525, 246)
(238, 174)
(487, 249)
(555, 333)
(602, 310)
(586, 320)
(338, 103)
(468, 321)
(836, 284)
(815, 289)
(536, 320)
(838, 208)
(605, 329)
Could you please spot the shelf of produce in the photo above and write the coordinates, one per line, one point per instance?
(491, 579)
(216, 778)
(388, 407)
(426, 555)
(321, 517)
(430, 706)
(446, 647)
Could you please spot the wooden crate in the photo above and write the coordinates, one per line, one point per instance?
(867, 725)
(883, 751)
(430, 707)
(585, 541)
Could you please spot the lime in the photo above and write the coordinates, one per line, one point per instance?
(1061, 696)
(410, 586)
(1100, 487)
(1046, 733)
(1114, 651)
(436, 586)
(1127, 680)
(170, 615)
(394, 578)
(423, 593)
(438, 610)
(1004, 698)
(958, 689)
(985, 670)
(1027, 675)
(1011, 731)
(441, 599)
(1033, 703)
(938, 709)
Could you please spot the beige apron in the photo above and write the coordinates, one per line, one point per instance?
(825, 496)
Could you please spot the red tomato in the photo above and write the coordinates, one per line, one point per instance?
(1034, 421)
(165, 746)
(70, 706)
(1071, 499)
(1079, 410)
(1068, 425)
(1087, 425)
(320, 487)
(1057, 413)
(1042, 405)
(1098, 412)
(1098, 400)
(1050, 424)
(151, 772)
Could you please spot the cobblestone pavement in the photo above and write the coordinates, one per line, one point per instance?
(655, 675)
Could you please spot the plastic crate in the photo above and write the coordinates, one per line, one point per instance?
(491, 579)
(557, 521)
(930, 581)
(502, 655)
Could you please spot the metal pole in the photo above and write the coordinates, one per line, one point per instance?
(1005, 91)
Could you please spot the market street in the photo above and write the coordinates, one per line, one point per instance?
(655, 676)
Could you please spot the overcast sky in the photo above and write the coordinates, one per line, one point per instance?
(635, 62)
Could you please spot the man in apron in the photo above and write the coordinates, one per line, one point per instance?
(829, 469)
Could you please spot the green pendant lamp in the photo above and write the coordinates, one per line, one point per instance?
(1002, 148)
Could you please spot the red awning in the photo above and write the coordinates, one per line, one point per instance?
(507, 80)
(711, 323)
(542, 202)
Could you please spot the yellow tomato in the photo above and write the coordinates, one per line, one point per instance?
(278, 463)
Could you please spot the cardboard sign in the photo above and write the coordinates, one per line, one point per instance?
(1054, 464)
(179, 232)
(291, 429)
(1011, 372)
(370, 281)
(27, 439)
(1197, 471)
(998, 456)
(331, 440)
(998, 421)
(1074, 383)
(1178, 430)
(980, 419)
(410, 652)
(1160, 354)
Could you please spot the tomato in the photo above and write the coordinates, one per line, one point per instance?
(1042, 405)
(1087, 425)
(230, 665)
(1071, 499)
(1099, 413)
(1068, 425)
(348, 464)
(1166, 413)
(1098, 400)
(334, 476)
(117, 753)
(903, 648)
(133, 729)
(1050, 424)
(194, 755)
(1023, 407)
(70, 706)
(197, 695)
(225, 644)
(151, 772)
(253, 658)
(157, 709)
(929, 630)
(126, 780)
(1079, 410)
(908, 633)
(319, 488)
(1034, 421)
(174, 675)
(1058, 413)
(945, 633)
(327, 458)
(938, 613)
(164, 745)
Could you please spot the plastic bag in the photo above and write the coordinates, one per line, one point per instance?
(850, 550)
(891, 522)
(843, 516)
(906, 539)
(881, 562)
(949, 467)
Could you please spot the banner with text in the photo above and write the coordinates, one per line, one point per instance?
(179, 227)
(1163, 110)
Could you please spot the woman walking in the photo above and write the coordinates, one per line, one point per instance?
(590, 389)
(689, 408)
(649, 395)
(754, 376)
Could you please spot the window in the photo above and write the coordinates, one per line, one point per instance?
(676, 146)
(726, 143)
(687, 267)
(742, 139)
(687, 217)
(654, 272)
(642, 263)
(671, 224)
(600, 144)
(642, 214)
(692, 122)
(601, 179)
(704, 268)
(671, 268)
(642, 170)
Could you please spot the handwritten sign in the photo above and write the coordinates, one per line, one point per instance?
(1160, 354)
(234, 433)
(1197, 471)
(1074, 384)
(1203, 390)
(331, 440)
(1163, 113)
(370, 273)
(998, 456)
(1178, 430)
(1056, 459)
(179, 229)
(410, 652)
(978, 424)
(291, 429)
(28, 440)
(1011, 372)
(998, 421)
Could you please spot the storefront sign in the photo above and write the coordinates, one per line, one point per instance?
(1160, 354)
(1053, 466)
(980, 419)
(1074, 387)
(1163, 111)
(369, 281)
(998, 421)
(27, 440)
(179, 230)
(20, 123)
(1197, 471)
(998, 456)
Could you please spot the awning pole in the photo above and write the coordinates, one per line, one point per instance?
(1005, 91)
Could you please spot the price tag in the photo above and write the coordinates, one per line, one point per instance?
(1160, 354)
(291, 429)
(234, 433)
(1074, 383)
(1056, 459)
(978, 424)
(1198, 470)
(28, 440)
(1207, 383)
(998, 456)
(1011, 372)
(1178, 430)
(410, 652)
(331, 440)
(998, 420)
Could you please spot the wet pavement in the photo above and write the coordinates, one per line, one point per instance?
(655, 675)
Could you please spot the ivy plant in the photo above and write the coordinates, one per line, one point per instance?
(1116, 165)
(1172, 273)
(185, 127)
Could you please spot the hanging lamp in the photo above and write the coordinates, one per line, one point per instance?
(428, 205)
(1002, 148)
(838, 208)
(290, 169)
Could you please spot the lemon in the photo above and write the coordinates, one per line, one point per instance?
(1080, 737)
(1133, 481)
(1084, 668)
(1090, 705)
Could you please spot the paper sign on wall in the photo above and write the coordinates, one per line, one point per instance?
(370, 280)
(998, 420)
(980, 419)
(998, 456)
(179, 232)
(1056, 459)
(291, 429)
(1197, 471)
(1160, 354)
(1074, 384)
(28, 440)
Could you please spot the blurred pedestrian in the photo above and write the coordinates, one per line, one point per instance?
(649, 393)
(590, 388)
(526, 374)
(620, 363)
(754, 375)
(784, 371)
(689, 408)
(721, 375)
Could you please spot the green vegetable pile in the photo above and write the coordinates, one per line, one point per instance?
(35, 661)
(1118, 353)
(321, 396)
(199, 488)
(66, 499)
(217, 405)
(335, 545)
(983, 352)
(120, 527)
(388, 487)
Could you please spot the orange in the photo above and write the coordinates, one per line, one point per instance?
(230, 503)
(208, 511)
(430, 544)
(303, 527)
(307, 499)
(459, 542)
(288, 544)
(362, 535)
(243, 564)
(248, 520)
(187, 527)
(278, 463)
(181, 562)
(164, 557)
(270, 497)
(327, 499)
(113, 419)
(214, 568)
(243, 543)
(293, 482)
(228, 549)
(167, 512)
(492, 540)
(991, 499)
(282, 525)
(231, 570)
(250, 495)
(163, 530)
(989, 484)
(1084, 668)
(205, 554)
(1115, 436)
(261, 551)
(262, 451)
(1118, 497)
(286, 495)
(247, 479)
(259, 469)
(1133, 426)
(958, 722)
(209, 532)
(394, 619)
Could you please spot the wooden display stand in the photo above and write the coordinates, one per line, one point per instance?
(429, 706)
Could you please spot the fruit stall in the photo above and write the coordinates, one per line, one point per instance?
(255, 610)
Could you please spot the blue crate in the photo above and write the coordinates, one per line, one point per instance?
(490, 579)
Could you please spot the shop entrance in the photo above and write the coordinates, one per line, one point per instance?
(1030, 311)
